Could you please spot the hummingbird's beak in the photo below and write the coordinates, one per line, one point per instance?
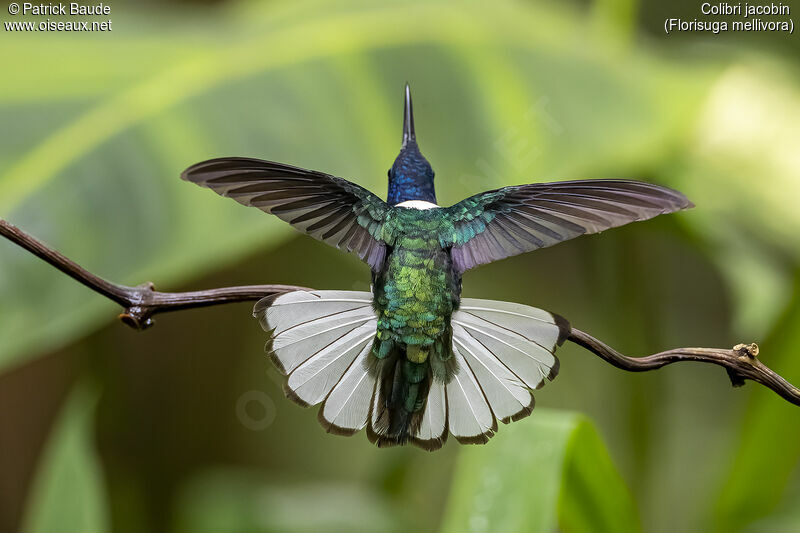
(408, 120)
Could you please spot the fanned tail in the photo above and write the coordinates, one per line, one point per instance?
(323, 341)
(501, 352)
(504, 351)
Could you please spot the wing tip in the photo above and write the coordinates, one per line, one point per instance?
(192, 173)
(681, 201)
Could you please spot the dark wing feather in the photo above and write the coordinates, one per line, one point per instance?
(328, 208)
(512, 220)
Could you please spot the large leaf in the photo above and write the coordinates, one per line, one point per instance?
(92, 167)
(552, 471)
(68, 493)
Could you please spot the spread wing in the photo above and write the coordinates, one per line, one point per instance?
(513, 220)
(328, 208)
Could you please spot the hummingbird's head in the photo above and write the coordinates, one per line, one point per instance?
(411, 176)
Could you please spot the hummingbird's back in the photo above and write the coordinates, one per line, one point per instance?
(415, 295)
(417, 290)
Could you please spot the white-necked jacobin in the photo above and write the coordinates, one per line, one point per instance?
(411, 360)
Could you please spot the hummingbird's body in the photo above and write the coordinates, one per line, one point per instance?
(413, 361)
(417, 290)
(414, 298)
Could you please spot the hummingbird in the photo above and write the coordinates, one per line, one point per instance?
(411, 360)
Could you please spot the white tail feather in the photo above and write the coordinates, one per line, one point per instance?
(520, 337)
(303, 323)
(433, 428)
(315, 378)
(502, 351)
(507, 349)
(346, 408)
(507, 394)
(316, 337)
(469, 416)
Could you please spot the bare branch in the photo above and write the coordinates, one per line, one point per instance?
(140, 303)
(741, 362)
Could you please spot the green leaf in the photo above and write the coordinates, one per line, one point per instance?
(551, 471)
(92, 169)
(247, 501)
(594, 496)
(68, 493)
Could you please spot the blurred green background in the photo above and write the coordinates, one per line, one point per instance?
(184, 428)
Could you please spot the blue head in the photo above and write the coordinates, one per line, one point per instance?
(411, 176)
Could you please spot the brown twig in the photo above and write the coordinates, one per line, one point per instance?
(741, 362)
(141, 302)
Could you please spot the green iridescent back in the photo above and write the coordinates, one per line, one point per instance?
(417, 291)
